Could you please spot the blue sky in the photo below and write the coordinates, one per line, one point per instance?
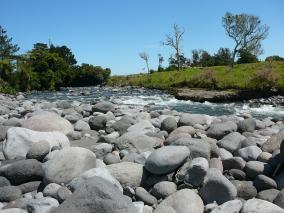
(111, 33)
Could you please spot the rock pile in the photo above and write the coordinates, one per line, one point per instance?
(102, 157)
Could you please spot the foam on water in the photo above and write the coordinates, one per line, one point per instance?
(160, 100)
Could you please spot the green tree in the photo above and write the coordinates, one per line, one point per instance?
(7, 48)
(246, 57)
(223, 57)
(65, 53)
(274, 58)
(206, 60)
(246, 31)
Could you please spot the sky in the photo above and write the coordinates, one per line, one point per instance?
(112, 33)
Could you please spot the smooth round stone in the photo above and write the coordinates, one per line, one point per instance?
(229, 206)
(51, 190)
(38, 150)
(224, 154)
(4, 181)
(279, 200)
(238, 174)
(245, 189)
(63, 193)
(169, 124)
(269, 194)
(142, 195)
(233, 163)
(110, 158)
(216, 163)
(262, 182)
(197, 171)
(254, 168)
(163, 189)
(260, 206)
(250, 153)
(166, 159)
(264, 157)
(9, 193)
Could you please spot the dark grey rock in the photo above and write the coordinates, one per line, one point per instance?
(4, 181)
(38, 150)
(238, 174)
(9, 193)
(247, 125)
(219, 130)
(254, 168)
(97, 122)
(163, 189)
(233, 163)
(262, 182)
(169, 124)
(29, 186)
(245, 189)
(142, 195)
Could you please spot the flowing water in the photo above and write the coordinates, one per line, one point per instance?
(158, 100)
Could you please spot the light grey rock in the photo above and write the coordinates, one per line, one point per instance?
(233, 206)
(97, 195)
(169, 124)
(163, 189)
(193, 119)
(268, 195)
(247, 125)
(166, 159)
(217, 188)
(143, 126)
(182, 201)
(254, 168)
(13, 210)
(264, 157)
(67, 164)
(250, 153)
(103, 107)
(16, 122)
(219, 130)
(273, 143)
(95, 172)
(19, 141)
(48, 122)
(9, 193)
(63, 193)
(225, 154)
(197, 171)
(142, 195)
(101, 149)
(245, 189)
(110, 158)
(260, 206)
(216, 163)
(81, 125)
(98, 122)
(38, 150)
(128, 173)
(51, 190)
(231, 142)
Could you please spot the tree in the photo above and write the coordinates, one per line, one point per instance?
(246, 57)
(7, 48)
(161, 60)
(223, 57)
(65, 53)
(195, 58)
(247, 32)
(206, 60)
(145, 57)
(174, 41)
(274, 58)
(183, 62)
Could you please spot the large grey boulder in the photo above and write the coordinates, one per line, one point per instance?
(166, 159)
(260, 206)
(250, 153)
(96, 195)
(103, 106)
(197, 171)
(141, 194)
(182, 201)
(128, 173)
(279, 200)
(254, 168)
(198, 147)
(231, 142)
(138, 141)
(169, 124)
(217, 188)
(22, 171)
(97, 122)
(187, 119)
(268, 194)
(4, 110)
(273, 143)
(247, 125)
(66, 164)
(48, 122)
(38, 151)
(163, 189)
(95, 172)
(19, 141)
(219, 130)
(245, 189)
(81, 125)
(9, 193)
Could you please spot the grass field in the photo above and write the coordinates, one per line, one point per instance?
(263, 75)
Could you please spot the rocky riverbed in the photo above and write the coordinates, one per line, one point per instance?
(105, 157)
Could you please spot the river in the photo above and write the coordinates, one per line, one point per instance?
(158, 100)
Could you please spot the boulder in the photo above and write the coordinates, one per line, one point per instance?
(268, 195)
(254, 168)
(9, 193)
(81, 125)
(182, 201)
(19, 141)
(163, 189)
(273, 143)
(217, 188)
(279, 200)
(250, 153)
(4, 110)
(38, 150)
(4, 181)
(140, 142)
(22, 171)
(166, 159)
(128, 173)
(63, 193)
(51, 190)
(103, 106)
(262, 182)
(260, 206)
(231, 142)
(97, 122)
(187, 119)
(219, 130)
(96, 195)
(169, 124)
(68, 163)
(48, 122)
(245, 189)
(142, 195)
(95, 172)
(197, 171)
(247, 125)
(233, 163)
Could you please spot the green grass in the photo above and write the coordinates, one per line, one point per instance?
(241, 77)
(6, 88)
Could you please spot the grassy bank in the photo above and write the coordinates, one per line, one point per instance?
(263, 75)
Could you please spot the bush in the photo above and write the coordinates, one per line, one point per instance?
(6, 88)
(274, 58)
(265, 79)
(206, 79)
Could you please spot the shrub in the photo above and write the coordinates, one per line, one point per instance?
(265, 79)
(206, 79)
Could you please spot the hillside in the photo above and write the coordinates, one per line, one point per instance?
(258, 76)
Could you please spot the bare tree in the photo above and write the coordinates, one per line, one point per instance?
(174, 41)
(161, 60)
(247, 32)
(145, 57)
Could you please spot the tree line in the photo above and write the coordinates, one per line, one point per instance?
(247, 32)
(45, 67)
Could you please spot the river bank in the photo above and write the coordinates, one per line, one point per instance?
(69, 155)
